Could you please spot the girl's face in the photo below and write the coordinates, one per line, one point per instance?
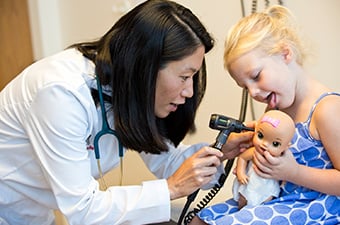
(175, 83)
(267, 78)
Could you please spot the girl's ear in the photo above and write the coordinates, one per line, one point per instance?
(287, 54)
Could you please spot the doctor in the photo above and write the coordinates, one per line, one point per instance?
(151, 68)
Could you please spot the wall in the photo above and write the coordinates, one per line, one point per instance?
(15, 44)
(57, 24)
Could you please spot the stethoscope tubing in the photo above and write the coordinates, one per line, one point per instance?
(105, 126)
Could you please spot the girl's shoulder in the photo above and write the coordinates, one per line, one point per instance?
(325, 114)
(327, 105)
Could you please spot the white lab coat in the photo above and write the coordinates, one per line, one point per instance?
(47, 124)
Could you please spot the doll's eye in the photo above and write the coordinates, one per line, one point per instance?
(260, 135)
(276, 144)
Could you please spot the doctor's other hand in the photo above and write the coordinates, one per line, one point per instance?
(196, 171)
(237, 143)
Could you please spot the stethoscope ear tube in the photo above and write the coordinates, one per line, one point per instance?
(105, 126)
(105, 130)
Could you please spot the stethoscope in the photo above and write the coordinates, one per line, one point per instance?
(106, 130)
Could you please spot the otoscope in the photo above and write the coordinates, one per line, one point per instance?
(225, 125)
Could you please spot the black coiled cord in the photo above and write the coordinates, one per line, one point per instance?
(202, 204)
(212, 193)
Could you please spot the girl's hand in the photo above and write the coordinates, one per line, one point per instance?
(278, 168)
(195, 172)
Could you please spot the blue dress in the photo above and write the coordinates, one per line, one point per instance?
(296, 204)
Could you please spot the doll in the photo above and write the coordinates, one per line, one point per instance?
(273, 133)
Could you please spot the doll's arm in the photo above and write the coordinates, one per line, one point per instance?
(241, 166)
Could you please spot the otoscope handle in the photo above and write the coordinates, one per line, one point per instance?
(225, 125)
(221, 139)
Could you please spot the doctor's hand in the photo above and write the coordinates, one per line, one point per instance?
(237, 143)
(196, 171)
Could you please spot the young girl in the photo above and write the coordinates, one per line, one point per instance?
(146, 76)
(264, 54)
(273, 133)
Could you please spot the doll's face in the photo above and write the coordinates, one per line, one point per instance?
(270, 138)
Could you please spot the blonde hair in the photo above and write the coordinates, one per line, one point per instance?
(269, 31)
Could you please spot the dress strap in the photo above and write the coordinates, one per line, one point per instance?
(316, 102)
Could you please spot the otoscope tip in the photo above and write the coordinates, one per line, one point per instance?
(248, 128)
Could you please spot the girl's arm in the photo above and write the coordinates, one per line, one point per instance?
(325, 126)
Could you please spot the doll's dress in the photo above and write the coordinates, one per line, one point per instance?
(257, 190)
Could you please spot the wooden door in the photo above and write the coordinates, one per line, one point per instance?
(15, 39)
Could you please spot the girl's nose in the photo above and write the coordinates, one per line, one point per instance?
(253, 91)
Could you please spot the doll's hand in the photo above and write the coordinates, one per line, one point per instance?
(242, 178)
(278, 168)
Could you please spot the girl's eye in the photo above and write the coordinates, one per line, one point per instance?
(276, 144)
(257, 76)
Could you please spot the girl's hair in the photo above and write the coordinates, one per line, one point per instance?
(269, 31)
(128, 58)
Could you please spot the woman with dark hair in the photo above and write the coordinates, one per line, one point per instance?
(146, 77)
